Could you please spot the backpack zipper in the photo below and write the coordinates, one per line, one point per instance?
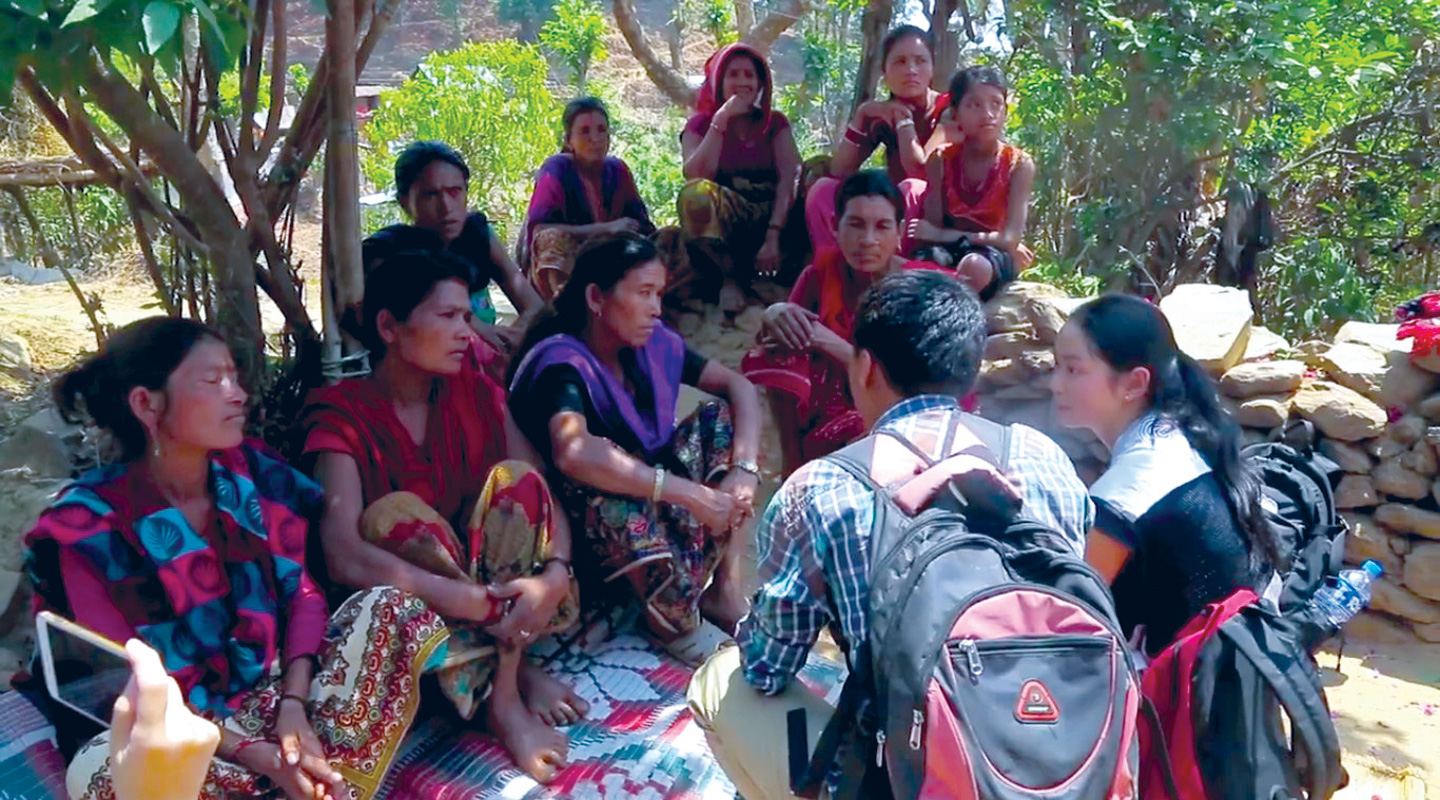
(915, 726)
(879, 748)
(968, 651)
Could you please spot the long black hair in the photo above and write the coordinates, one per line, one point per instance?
(1127, 332)
(602, 264)
(143, 353)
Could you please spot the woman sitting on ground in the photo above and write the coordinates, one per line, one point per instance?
(805, 343)
(432, 184)
(740, 168)
(906, 125)
(581, 193)
(194, 542)
(595, 389)
(1178, 519)
(976, 208)
(430, 487)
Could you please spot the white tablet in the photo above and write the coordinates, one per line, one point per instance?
(83, 670)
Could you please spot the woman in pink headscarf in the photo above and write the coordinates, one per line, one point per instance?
(740, 166)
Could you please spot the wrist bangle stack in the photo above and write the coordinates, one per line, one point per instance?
(904, 123)
(659, 486)
(747, 465)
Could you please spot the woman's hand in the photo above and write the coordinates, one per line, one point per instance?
(533, 602)
(767, 261)
(159, 750)
(923, 230)
(732, 108)
(295, 781)
(501, 340)
(790, 325)
(714, 509)
(302, 755)
(742, 486)
(625, 226)
(466, 601)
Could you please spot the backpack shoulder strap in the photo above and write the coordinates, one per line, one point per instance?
(1299, 694)
(995, 436)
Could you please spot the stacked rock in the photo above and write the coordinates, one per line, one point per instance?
(1368, 402)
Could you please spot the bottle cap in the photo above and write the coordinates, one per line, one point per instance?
(1373, 567)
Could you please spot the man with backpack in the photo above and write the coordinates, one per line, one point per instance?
(918, 340)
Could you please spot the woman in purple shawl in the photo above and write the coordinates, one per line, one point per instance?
(581, 193)
(594, 387)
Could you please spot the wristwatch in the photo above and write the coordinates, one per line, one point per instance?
(749, 466)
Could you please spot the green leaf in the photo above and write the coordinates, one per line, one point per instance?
(160, 21)
(32, 8)
(83, 10)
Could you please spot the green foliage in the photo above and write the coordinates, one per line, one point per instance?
(55, 36)
(1142, 117)
(299, 79)
(575, 35)
(653, 154)
(489, 101)
(101, 219)
(830, 56)
(717, 18)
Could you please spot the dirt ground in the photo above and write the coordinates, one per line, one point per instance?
(1386, 698)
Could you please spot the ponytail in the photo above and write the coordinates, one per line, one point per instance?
(1127, 332)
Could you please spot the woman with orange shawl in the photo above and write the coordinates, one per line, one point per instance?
(979, 200)
(740, 167)
(805, 343)
(422, 450)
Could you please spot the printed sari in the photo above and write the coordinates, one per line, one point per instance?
(674, 553)
(228, 610)
(416, 497)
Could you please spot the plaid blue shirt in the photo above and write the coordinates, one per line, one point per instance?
(814, 539)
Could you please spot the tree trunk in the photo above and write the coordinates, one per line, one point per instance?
(668, 79)
(744, 17)
(947, 45)
(765, 33)
(238, 317)
(342, 168)
(675, 37)
(872, 27)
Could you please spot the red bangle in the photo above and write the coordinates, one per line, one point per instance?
(855, 137)
(240, 748)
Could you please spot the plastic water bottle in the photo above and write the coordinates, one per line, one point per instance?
(1339, 601)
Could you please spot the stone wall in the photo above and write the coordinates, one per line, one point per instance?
(1376, 409)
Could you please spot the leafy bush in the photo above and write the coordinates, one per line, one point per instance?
(575, 34)
(653, 154)
(489, 101)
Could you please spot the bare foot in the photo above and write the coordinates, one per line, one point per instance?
(537, 748)
(732, 299)
(553, 702)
